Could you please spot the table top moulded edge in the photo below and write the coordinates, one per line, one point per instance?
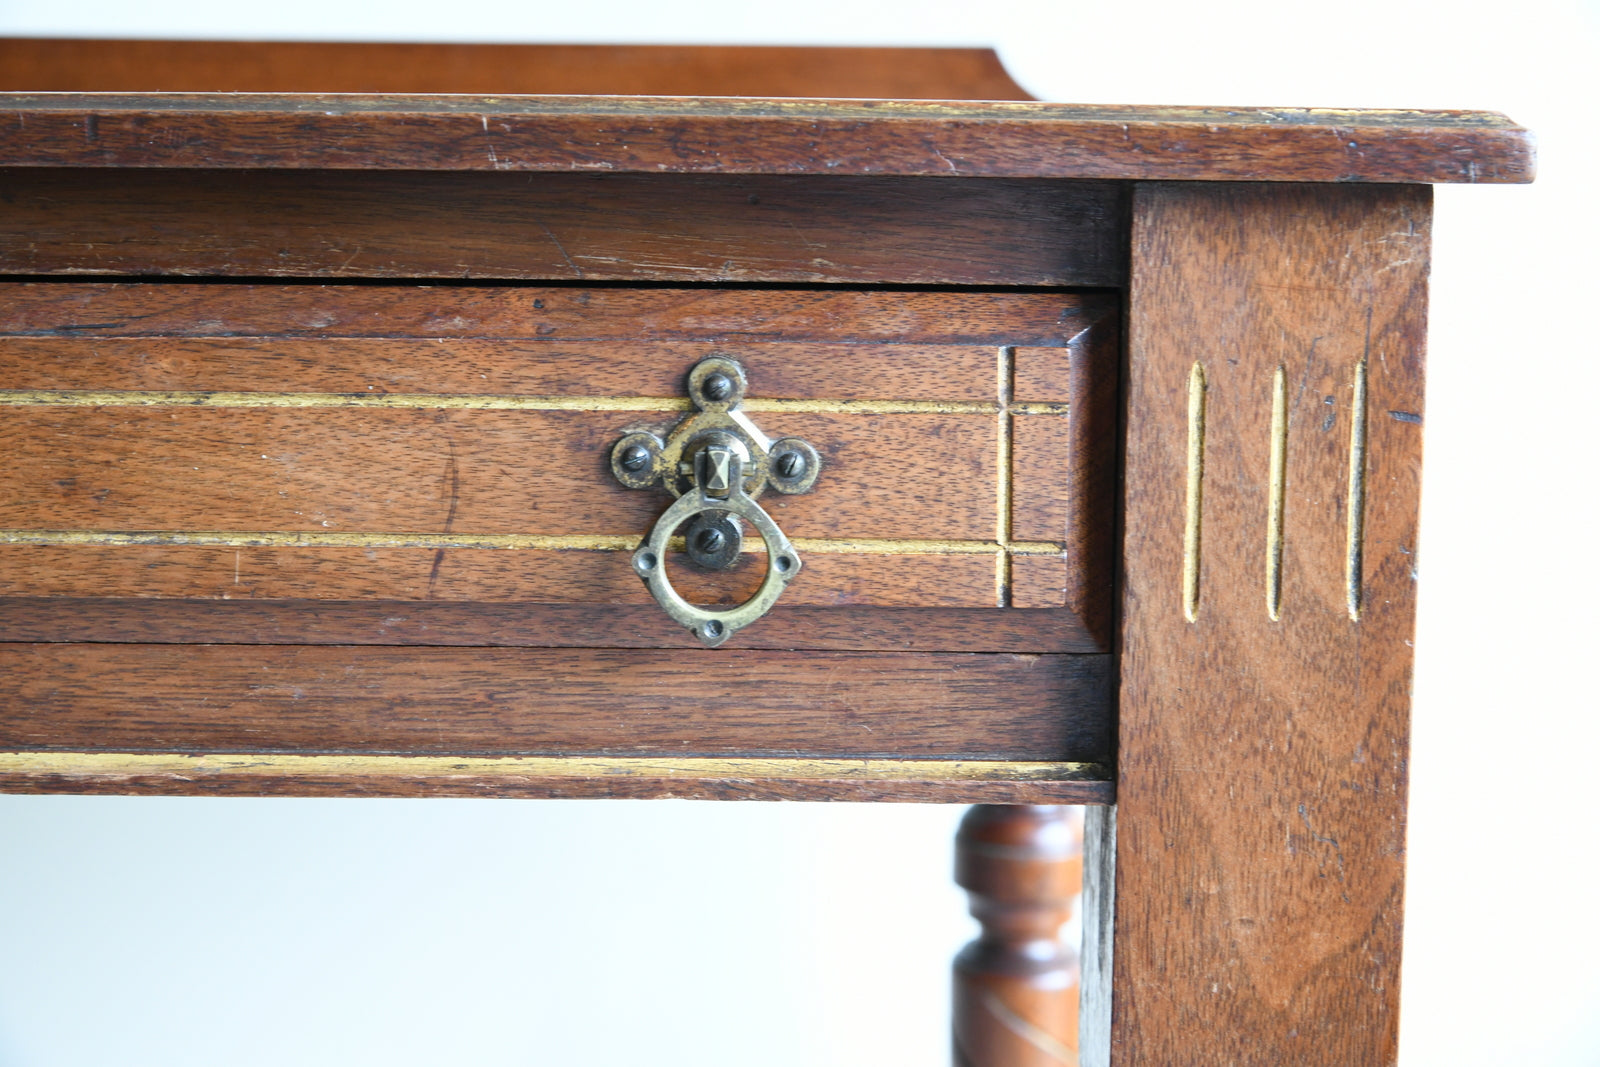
(723, 135)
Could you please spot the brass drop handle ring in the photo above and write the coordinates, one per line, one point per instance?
(716, 462)
(713, 627)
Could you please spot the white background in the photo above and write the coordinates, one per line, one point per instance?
(176, 932)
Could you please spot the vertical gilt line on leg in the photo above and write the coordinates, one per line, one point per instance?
(1278, 453)
(1192, 492)
(1356, 499)
(1004, 491)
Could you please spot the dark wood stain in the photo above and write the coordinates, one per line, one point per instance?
(1262, 764)
(531, 701)
(545, 313)
(423, 482)
(584, 227)
(753, 136)
(83, 65)
(362, 470)
(584, 625)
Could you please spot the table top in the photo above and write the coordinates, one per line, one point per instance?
(726, 135)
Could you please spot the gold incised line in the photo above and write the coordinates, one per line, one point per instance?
(472, 401)
(1192, 492)
(264, 539)
(1357, 496)
(548, 542)
(1041, 1039)
(1275, 487)
(1015, 548)
(876, 407)
(126, 764)
(1006, 369)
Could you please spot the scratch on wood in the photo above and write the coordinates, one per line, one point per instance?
(1192, 492)
(577, 271)
(452, 481)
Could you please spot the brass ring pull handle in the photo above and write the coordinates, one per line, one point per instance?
(650, 560)
(716, 462)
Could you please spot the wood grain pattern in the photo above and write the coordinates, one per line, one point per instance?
(545, 313)
(1041, 477)
(275, 455)
(481, 575)
(1015, 1000)
(1094, 385)
(81, 65)
(490, 367)
(378, 622)
(457, 472)
(1262, 763)
(530, 701)
(588, 227)
(1064, 477)
(1039, 582)
(751, 136)
(1041, 375)
(921, 781)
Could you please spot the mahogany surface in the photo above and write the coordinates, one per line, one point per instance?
(582, 227)
(776, 136)
(520, 625)
(316, 442)
(85, 65)
(1262, 758)
(527, 701)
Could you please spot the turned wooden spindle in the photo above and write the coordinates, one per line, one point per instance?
(1016, 986)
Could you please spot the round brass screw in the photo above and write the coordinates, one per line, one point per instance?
(717, 387)
(790, 465)
(635, 458)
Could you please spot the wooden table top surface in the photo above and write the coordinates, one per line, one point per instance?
(729, 135)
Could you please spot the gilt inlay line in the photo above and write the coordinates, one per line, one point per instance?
(475, 401)
(1192, 492)
(1357, 497)
(1275, 489)
(549, 542)
(1007, 362)
(1046, 1043)
(101, 764)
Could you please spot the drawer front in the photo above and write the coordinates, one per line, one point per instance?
(380, 521)
(451, 445)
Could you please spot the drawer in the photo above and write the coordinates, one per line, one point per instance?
(381, 519)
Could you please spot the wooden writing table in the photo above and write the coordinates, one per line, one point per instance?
(309, 409)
